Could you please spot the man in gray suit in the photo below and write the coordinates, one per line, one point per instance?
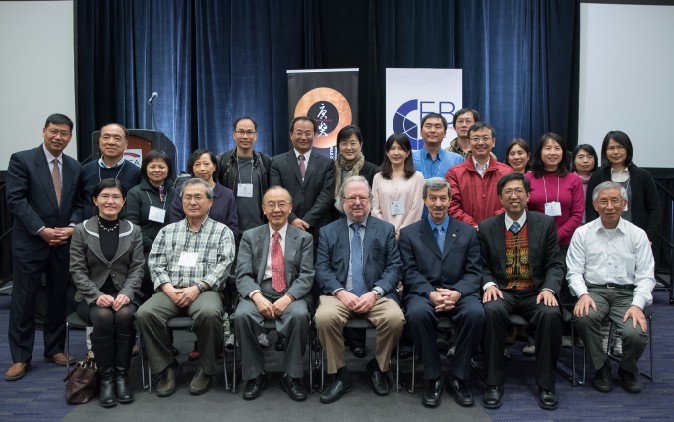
(308, 176)
(274, 275)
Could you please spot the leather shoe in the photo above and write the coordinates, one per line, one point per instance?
(602, 378)
(493, 397)
(167, 380)
(254, 386)
(547, 399)
(433, 393)
(61, 359)
(294, 387)
(341, 384)
(379, 379)
(358, 351)
(17, 371)
(200, 383)
(631, 383)
(461, 392)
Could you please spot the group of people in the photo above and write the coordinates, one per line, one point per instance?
(429, 234)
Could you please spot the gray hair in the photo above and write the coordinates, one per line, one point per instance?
(340, 192)
(197, 181)
(606, 186)
(436, 183)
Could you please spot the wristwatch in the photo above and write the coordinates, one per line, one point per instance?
(201, 287)
(377, 295)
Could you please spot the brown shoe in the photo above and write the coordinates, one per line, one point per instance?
(17, 371)
(61, 359)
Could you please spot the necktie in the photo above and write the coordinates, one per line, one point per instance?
(515, 228)
(278, 274)
(439, 237)
(303, 168)
(357, 262)
(56, 179)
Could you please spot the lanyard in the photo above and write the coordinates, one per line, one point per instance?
(116, 176)
(546, 189)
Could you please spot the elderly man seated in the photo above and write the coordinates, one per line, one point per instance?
(189, 264)
(611, 270)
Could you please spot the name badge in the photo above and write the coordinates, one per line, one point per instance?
(553, 209)
(188, 259)
(398, 207)
(616, 269)
(244, 190)
(157, 214)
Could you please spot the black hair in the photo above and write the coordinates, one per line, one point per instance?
(587, 148)
(196, 155)
(305, 118)
(476, 115)
(156, 155)
(109, 183)
(538, 167)
(621, 138)
(386, 167)
(58, 119)
(236, 122)
(509, 178)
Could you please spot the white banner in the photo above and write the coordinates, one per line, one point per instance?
(413, 93)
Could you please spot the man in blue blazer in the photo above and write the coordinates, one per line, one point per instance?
(442, 274)
(308, 176)
(274, 276)
(42, 196)
(523, 273)
(357, 270)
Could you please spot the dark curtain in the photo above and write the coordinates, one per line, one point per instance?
(211, 61)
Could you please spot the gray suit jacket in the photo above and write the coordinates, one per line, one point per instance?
(298, 261)
(545, 259)
(89, 268)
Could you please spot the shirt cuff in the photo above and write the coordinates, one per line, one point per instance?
(379, 290)
(334, 293)
(250, 295)
(488, 285)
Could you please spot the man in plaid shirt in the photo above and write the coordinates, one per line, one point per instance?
(189, 264)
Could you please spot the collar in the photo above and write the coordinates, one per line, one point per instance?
(349, 222)
(478, 166)
(102, 164)
(201, 226)
(425, 154)
(307, 154)
(48, 155)
(282, 232)
(509, 221)
(621, 227)
(443, 225)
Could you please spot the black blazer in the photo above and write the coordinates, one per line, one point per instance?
(314, 198)
(645, 205)
(32, 201)
(457, 267)
(545, 259)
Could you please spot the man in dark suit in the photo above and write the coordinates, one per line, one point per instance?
(274, 275)
(522, 274)
(442, 269)
(308, 176)
(42, 195)
(357, 270)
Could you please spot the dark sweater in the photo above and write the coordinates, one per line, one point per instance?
(92, 173)
(138, 202)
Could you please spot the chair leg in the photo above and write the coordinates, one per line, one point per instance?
(414, 360)
(397, 377)
(224, 361)
(234, 364)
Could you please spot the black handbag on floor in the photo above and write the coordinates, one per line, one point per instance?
(82, 382)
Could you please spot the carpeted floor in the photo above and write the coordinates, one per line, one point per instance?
(39, 396)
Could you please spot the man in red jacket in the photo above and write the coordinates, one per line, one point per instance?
(474, 181)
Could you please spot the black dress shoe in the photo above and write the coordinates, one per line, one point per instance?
(379, 379)
(254, 387)
(547, 399)
(358, 351)
(602, 378)
(631, 383)
(433, 392)
(340, 385)
(493, 397)
(461, 392)
(294, 387)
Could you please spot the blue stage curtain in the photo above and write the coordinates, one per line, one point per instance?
(214, 60)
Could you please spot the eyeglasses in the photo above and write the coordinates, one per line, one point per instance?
(614, 202)
(306, 134)
(466, 121)
(56, 132)
(244, 132)
(618, 148)
(273, 205)
(197, 198)
(509, 192)
(483, 139)
(353, 199)
(106, 197)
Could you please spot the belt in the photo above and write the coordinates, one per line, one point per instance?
(616, 286)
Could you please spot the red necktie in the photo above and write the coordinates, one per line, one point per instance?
(278, 274)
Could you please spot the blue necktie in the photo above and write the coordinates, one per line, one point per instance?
(439, 237)
(358, 285)
(515, 227)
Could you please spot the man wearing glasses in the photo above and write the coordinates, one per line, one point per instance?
(357, 269)
(463, 120)
(246, 172)
(309, 177)
(274, 276)
(474, 181)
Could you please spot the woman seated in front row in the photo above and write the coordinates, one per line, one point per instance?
(106, 264)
